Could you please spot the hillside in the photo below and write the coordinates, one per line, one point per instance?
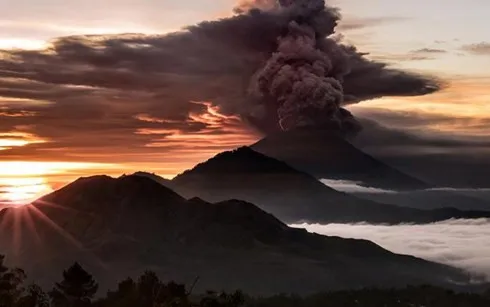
(121, 227)
(326, 155)
(291, 195)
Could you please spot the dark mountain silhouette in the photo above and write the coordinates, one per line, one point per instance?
(291, 195)
(326, 155)
(119, 227)
(164, 181)
(444, 161)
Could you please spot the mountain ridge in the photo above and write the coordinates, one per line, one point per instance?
(291, 195)
(232, 244)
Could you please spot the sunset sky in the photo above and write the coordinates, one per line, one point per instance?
(50, 135)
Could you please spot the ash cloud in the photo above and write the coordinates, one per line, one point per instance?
(83, 86)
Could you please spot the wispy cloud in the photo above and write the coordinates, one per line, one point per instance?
(414, 55)
(348, 186)
(461, 108)
(459, 243)
(429, 51)
(482, 48)
(357, 23)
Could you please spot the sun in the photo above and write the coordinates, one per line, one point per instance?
(22, 191)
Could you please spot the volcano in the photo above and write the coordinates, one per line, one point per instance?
(291, 195)
(121, 227)
(326, 155)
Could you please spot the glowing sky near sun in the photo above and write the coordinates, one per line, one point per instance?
(448, 39)
(23, 181)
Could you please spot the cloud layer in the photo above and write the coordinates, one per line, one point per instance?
(354, 187)
(138, 95)
(459, 243)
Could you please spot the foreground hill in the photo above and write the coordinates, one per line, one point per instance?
(121, 227)
(291, 195)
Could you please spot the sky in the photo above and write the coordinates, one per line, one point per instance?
(50, 135)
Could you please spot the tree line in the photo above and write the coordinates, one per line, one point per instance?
(78, 288)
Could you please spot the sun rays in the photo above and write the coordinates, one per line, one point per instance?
(22, 191)
(28, 228)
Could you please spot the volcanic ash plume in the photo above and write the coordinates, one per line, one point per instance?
(273, 64)
(302, 79)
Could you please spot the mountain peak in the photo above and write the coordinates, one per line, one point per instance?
(131, 223)
(295, 196)
(240, 160)
(103, 189)
(330, 156)
(164, 181)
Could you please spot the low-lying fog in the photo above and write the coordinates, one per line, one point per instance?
(460, 243)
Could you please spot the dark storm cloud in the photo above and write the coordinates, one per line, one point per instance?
(482, 48)
(85, 91)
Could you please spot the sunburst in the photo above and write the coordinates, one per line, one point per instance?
(22, 191)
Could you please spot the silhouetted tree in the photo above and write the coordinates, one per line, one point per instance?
(148, 291)
(11, 281)
(213, 299)
(77, 288)
(153, 292)
(34, 297)
(126, 295)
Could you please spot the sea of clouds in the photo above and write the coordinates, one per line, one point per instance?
(460, 243)
(356, 187)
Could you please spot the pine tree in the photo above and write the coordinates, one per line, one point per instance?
(11, 281)
(34, 297)
(76, 290)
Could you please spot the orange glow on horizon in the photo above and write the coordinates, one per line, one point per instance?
(18, 139)
(464, 103)
(30, 168)
(22, 182)
(22, 191)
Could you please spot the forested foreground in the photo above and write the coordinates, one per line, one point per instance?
(77, 288)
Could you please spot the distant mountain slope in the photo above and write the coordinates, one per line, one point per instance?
(325, 155)
(120, 227)
(440, 159)
(291, 195)
(430, 199)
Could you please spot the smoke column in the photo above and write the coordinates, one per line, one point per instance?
(303, 78)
